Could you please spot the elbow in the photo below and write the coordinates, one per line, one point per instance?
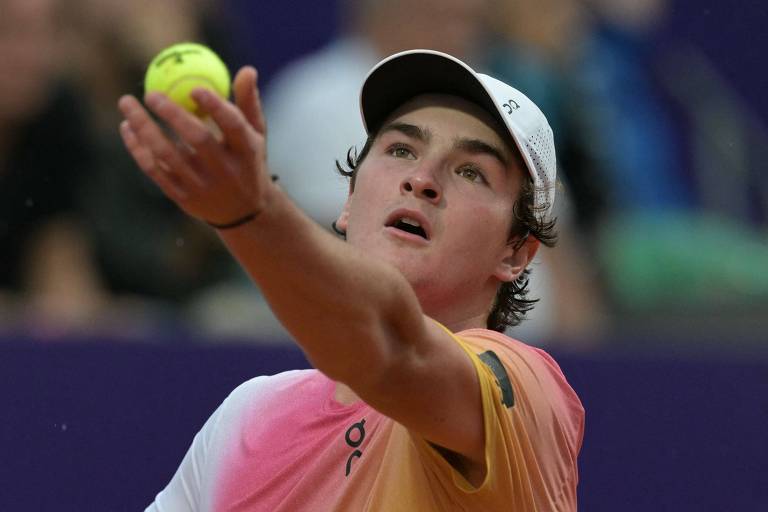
(358, 357)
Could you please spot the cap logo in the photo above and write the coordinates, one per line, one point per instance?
(511, 106)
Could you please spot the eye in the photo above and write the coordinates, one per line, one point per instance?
(472, 174)
(401, 151)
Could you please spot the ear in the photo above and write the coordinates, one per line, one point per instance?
(342, 222)
(516, 258)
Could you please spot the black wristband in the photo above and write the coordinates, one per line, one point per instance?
(234, 224)
(241, 220)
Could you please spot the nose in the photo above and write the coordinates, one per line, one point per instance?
(423, 185)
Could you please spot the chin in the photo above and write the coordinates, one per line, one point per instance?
(423, 281)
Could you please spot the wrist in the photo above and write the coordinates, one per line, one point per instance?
(240, 220)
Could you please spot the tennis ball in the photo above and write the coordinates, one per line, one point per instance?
(180, 68)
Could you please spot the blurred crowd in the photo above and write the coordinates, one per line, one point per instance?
(662, 210)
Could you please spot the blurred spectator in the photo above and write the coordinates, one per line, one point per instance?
(147, 250)
(616, 67)
(47, 276)
(586, 62)
(87, 243)
(660, 246)
(596, 59)
(534, 46)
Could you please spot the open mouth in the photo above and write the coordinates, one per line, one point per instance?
(409, 225)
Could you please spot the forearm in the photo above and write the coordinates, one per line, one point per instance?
(357, 318)
(346, 310)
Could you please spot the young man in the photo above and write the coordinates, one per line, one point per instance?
(415, 404)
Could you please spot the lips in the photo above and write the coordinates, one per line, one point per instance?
(409, 221)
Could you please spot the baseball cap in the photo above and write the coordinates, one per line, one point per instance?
(401, 76)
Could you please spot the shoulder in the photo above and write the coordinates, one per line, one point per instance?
(269, 384)
(532, 373)
(533, 420)
(255, 401)
(266, 390)
(510, 350)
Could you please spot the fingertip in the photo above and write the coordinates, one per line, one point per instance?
(249, 70)
(203, 97)
(154, 98)
(247, 77)
(199, 93)
(125, 102)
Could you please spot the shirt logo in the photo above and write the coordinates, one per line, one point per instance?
(493, 362)
(354, 437)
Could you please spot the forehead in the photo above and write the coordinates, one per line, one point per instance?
(456, 116)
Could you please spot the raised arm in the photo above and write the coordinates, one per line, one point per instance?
(357, 318)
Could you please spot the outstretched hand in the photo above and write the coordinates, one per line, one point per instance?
(216, 179)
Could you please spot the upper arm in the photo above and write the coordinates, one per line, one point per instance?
(184, 491)
(431, 387)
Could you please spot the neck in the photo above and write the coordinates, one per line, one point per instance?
(476, 322)
(344, 395)
(470, 313)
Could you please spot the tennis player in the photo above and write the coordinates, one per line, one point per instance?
(418, 401)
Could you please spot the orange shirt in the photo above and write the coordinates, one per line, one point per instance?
(282, 443)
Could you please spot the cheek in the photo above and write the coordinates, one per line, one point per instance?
(363, 211)
(374, 187)
(368, 181)
(484, 224)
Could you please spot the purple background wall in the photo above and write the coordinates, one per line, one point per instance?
(102, 426)
(733, 36)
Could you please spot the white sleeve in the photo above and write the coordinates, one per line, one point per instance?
(183, 492)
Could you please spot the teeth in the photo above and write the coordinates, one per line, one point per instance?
(410, 222)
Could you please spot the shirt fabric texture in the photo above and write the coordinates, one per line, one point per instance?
(282, 443)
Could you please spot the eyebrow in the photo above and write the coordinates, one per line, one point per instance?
(472, 146)
(409, 130)
(479, 147)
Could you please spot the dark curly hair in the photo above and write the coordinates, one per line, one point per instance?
(511, 302)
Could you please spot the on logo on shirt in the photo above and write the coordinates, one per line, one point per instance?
(354, 437)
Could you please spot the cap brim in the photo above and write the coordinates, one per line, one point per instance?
(408, 74)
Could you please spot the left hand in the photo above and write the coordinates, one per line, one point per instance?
(215, 179)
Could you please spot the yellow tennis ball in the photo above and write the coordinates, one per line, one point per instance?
(180, 68)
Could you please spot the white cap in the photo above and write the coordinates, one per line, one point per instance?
(401, 76)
